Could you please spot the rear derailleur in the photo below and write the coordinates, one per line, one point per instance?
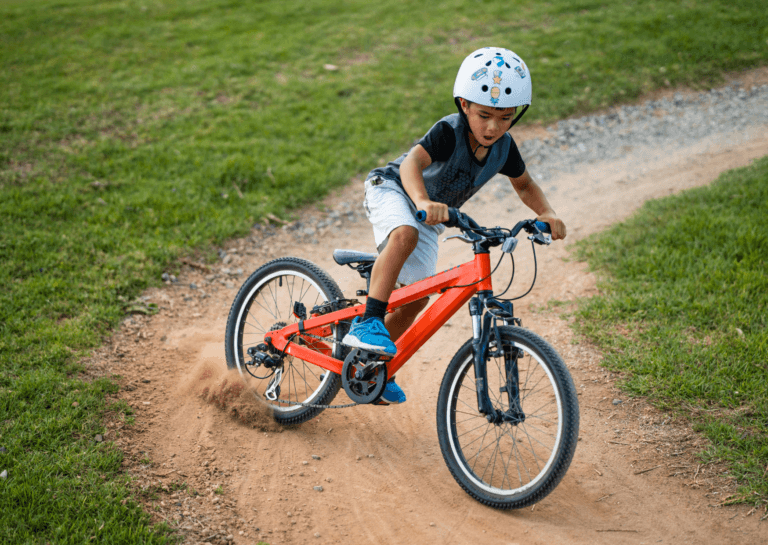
(261, 357)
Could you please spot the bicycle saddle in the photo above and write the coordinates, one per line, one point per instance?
(346, 257)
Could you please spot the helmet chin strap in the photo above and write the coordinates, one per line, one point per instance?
(479, 145)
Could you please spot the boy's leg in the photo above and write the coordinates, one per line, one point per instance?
(402, 318)
(370, 333)
(402, 242)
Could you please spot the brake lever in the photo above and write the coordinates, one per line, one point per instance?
(541, 238)
(461, 237)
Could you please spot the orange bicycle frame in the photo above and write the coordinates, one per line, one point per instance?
(470, 278)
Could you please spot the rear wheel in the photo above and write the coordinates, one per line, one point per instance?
(270, 299)
(506, 465)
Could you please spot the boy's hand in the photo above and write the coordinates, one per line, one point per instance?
(555, 224)
(436, 212)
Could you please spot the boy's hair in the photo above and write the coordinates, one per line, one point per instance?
(470, 103)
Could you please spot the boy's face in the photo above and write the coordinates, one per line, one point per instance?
(487, 123)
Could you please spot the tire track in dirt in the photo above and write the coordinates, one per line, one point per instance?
(381, 469)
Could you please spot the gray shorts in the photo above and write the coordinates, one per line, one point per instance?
(388, 207)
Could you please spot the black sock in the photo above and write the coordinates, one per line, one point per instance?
(375, 309)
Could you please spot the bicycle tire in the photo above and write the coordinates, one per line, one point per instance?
(540, 449)
(266, 301)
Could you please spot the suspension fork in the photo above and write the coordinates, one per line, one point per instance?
(481, 336)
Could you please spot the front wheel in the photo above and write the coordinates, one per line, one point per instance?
(508, 465)
(273, 297)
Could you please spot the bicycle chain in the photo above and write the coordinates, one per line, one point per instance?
(318, 406)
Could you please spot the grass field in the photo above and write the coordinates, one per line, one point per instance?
(685, 313)
(132, 132)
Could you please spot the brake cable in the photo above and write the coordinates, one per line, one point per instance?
(535, 273)
(478, 281)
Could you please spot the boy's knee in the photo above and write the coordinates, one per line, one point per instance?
(405, 237)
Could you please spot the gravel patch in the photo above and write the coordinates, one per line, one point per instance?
(664, 124)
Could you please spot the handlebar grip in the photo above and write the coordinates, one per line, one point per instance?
(453, 216)
(543, 227)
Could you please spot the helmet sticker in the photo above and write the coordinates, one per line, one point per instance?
(495, 92)
(520, 72)
(499, 60)
(497, 76)
(480, 74)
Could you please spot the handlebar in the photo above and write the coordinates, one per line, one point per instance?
(465, 223)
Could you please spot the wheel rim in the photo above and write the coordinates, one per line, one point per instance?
(269, 302)
(506, 460)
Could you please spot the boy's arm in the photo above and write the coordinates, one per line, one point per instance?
(411, 170)
(533, 197)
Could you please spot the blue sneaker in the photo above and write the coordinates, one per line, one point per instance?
(393, 394)
(370, 335)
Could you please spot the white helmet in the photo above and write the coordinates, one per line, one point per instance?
(496, 77)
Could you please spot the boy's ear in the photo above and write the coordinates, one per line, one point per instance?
(464, 105)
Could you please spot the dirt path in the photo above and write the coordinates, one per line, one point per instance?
(633, 480)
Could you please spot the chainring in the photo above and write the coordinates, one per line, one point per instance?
(364, 376)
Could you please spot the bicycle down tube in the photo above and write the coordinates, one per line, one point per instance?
(473, 276)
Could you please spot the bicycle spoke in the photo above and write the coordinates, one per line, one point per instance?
(475, 414)
(491, 459)
(533, 450)
(290, 288)
(295, 386)
(521, 462)
(482, 440)
(467, 404)
(266, 309)
(272, 293)
(536, 411)
(485, 423)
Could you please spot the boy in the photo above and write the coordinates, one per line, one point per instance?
(458, 155)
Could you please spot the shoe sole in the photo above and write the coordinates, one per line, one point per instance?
(354, 342)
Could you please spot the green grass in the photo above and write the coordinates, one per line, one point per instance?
(132, 132)
(684, 310)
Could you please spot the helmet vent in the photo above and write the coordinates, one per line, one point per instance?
(507, 65)
(508, 91)
(485, 88)
(488, 63)
(518, 60)
(480, 55)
